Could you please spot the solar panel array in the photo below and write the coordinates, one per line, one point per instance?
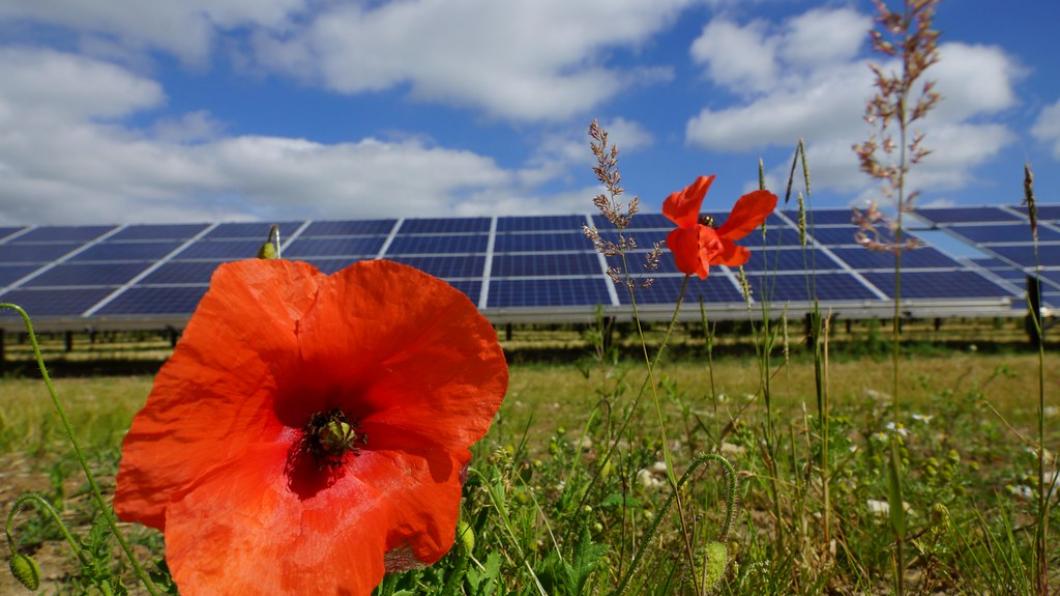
(1002, 233)
(540, 266)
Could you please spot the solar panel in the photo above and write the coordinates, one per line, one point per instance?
(350, 228)
(548, 292)
(470, 288)
(637, 262)
(665, 290)
(944, 215)
(222, 249)
(155, 301)
(445, 225)
(10, 273)
(1045, 212)
(823, 217)
(33, 253)
(334, 247)
(844, 235)
(1048, 254)
(413, 245)
(991, 263)
(924, 257)
(545, 264)
(447, 266)
(126, 251)
(641, 221)
(555, 241)
(64, 233)
(775, 236)
(7, 231)
(87, 274)
(537, 223)
(53, 303)
(257, 230)
(1020, 232)
(1053, 276)
(182, 272)
(643, 238)
(789, 259)
(801, 288)
(939, 284)
(158, 232)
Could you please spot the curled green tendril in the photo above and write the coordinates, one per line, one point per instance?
(97, 495)
(730, 510)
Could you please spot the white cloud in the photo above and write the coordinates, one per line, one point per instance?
(560, 151)
(740, 58)
(186, 28)
(819, 92)
(1047, 127)
(67, 157)
(523, 59)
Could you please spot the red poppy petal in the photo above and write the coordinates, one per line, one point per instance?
(243, 532)
(747, 214)
(682, 207)
(414, 354)
(684, 244)
(213, 397)
(732, 254)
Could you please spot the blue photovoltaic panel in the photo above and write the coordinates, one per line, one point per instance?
(7, 231)
(446, 266)
(768, 259)
(53, 303)
(939, 284)
(256, 229)
(644, 238)
(1048, 254)
(548, 292)
(64, 233)
(555, 241)
(350, 228)
(33, 253)
(924, 257)
(987, 234)
(334, 247)
(455, 225)
(782, 235)
(87, 274)
(159, 232)
(155, 301)
(545, 264)
(944, 215)
(127, 251)
(412, 245)
(182, 272)
(10, 273)
(665, 290)
(1053, 276)
(470, 288)
(330, 266)
(641, 221)
(844, 235)
(823, 217)
(1016, 276)
(221, 249)
(1045, 212)
(991, 263)
(800, 288)
(537, 223)
(637, 261)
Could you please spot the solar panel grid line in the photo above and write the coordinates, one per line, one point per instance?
(73, 253)
(612, 291)
(390, 237)
(992, 276)
(285, 242)
(487, 267)
(151, 269)
(18, 234)
(812, 241)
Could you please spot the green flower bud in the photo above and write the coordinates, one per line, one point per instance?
(466, 535)
(715, 560)
(25, 570)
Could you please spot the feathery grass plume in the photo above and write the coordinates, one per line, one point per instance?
(802, 219)
(907, 36)
(1028, 199)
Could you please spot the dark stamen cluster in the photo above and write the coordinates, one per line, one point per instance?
(329, 435)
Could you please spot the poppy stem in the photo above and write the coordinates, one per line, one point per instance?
(97, 495)
(42, 506)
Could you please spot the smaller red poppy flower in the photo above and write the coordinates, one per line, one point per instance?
(696, 244)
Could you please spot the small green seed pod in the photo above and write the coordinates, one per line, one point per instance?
(466, 535)
(25, 570)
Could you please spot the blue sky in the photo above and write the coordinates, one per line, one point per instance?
(129, 111)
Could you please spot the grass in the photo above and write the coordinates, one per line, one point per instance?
(537, 524)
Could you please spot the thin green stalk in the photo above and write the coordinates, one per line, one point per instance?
(708, 334)
(43, 505)
(97, 495)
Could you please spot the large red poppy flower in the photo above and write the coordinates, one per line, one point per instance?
(696, 244)
(310, 431)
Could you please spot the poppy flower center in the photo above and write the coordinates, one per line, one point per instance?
(329, 435)
(706, 220)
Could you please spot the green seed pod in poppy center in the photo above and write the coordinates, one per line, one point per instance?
(337, 436)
